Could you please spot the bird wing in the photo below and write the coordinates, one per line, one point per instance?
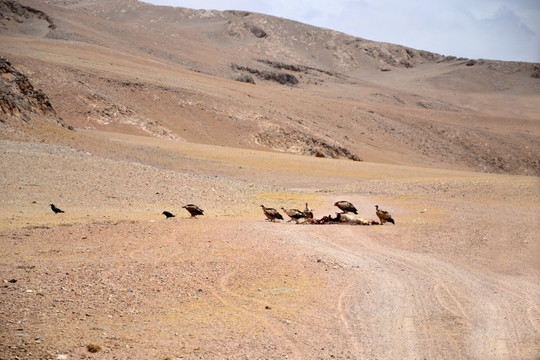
(383, 214)
(274, 213)
(346, 206)
(194, 208)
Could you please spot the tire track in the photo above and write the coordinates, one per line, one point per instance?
(343, 314)
(469, 316)
(273, 328)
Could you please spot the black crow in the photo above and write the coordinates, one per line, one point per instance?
(55, 209)
(168, 214)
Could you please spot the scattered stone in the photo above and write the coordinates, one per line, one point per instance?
(93, 348)
(279, 77)
(258, 32)
(245, 78)
(13, 281)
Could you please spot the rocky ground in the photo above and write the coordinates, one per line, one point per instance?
(456, 277)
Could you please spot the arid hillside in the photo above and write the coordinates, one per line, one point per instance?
(116, 111)
(259, 82)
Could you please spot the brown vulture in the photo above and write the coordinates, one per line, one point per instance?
(384, 216)
(309, 213)
(346, 207)
(271, 213)
(194, 210)
(294, 214)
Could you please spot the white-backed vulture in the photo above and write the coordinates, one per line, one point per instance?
(346, 207)
(271, 213)
(194, 210)
(309, 213)
(294, 214)
(384, 216)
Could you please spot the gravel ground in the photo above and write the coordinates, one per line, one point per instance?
(456, 277)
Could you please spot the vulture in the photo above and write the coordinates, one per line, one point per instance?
(194, 210)
(168, 214)
(384, 216)
(55, 209)
(294, 214)
(346, 207)
(271, 213)
(309, 213)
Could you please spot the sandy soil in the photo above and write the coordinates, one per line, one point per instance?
(456, 277)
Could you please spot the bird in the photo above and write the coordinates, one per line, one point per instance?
(384, 216)
(168, 214)
(194, 210)
(346, 207)
(294, 214)
(271, 213)
(55, 209)
(309, 213)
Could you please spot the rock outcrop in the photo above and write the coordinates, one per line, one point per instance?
(294, 141)
(19, 100)
(12, 11)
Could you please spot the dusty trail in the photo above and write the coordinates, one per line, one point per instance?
(416, 306)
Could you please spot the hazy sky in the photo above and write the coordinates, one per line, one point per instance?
(487, 29)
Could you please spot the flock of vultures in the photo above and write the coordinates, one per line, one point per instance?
(346, 216)
(299, 217)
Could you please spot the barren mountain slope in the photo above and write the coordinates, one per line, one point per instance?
(132, 67)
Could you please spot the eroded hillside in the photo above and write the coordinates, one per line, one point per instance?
(126, 66)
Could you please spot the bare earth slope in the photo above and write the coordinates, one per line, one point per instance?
(140, 69)
(456, 277)
(449, 147)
